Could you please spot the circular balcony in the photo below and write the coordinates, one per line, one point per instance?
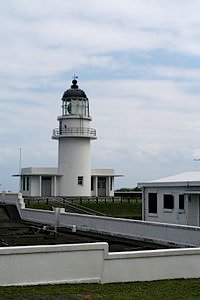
(85, 132)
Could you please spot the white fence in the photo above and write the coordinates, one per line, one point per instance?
(92, 262)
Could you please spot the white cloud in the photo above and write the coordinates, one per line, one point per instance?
(147, 123)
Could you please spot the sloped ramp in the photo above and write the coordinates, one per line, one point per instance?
(9, 213)
(3, 215)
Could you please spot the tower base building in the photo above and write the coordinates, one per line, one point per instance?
(73, 176)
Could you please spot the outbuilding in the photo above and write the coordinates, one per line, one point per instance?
(174, 199)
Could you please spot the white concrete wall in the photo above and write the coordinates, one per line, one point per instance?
(92, 262)
(152, 231)
(151, 265)
(74, 161)
(158, 232)
(86, 263)
(51, 264)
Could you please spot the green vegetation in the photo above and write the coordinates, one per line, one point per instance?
(156, 290)
(126, 208)
(135, 189)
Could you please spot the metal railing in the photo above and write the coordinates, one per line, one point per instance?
(69, 131)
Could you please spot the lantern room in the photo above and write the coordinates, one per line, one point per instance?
(75, 102)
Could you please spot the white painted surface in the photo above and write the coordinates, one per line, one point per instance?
(157, 232)
(82, 263)
(187, 183)
(102, 172)
(193, 210)
(92, 262)
(74, 161)
(51, 264)
(152, 265)
(39, 171)
(182, 177)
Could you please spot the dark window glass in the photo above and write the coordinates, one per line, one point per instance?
(181, 202)
(92, 184)
(168, 201)
(80, 180)
(152, 199)
(23, 183)
(27, 183)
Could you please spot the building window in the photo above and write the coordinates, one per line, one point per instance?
(92, 184)
(168, 201)
(111, 183)
(181, 202)
(152, 201)
(27, 183)
(23, 183)
(80, 180)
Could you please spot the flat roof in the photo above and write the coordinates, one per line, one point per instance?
(46, 171)
(182, 179)
(104, 172)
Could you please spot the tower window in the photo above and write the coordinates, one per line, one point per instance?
(80, 180)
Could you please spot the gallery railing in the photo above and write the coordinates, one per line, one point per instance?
(74, 131)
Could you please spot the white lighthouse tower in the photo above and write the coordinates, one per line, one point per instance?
(74, 135)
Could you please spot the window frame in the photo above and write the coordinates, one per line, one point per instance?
(80, 180)
(151, 206)
(166, 199)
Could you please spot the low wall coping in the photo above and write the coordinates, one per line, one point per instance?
(144, 223)
(54, 248)
(153, 253)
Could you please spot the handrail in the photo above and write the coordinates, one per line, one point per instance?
(74, 131)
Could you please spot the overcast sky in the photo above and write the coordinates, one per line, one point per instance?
(138, 62)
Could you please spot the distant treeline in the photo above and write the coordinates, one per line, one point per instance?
(135, 189)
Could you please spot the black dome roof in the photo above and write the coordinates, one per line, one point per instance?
(74, 91)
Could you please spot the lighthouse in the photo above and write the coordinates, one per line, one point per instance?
(74, 135)
(73, 177)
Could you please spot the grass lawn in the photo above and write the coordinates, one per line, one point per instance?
(128, 209)
(161, 290)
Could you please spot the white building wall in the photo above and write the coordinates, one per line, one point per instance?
(74, 161)
(74, 121)
(174, 216)
(35, 186)
(193, 210)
